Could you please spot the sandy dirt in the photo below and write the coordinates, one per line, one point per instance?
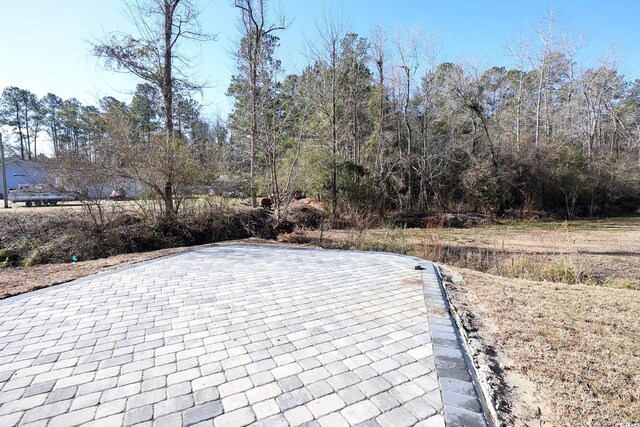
(20, 208)
(569, 354)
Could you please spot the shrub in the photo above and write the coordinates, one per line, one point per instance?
(306, 217)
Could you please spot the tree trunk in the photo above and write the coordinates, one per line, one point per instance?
(519, 110)
(381, 92)
(409, 138)
(26, 124)
(253, 58)
(334, 133)
(20, 132)
(538, 103)
(167, 97)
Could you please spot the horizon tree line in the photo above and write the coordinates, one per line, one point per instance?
(371, 124)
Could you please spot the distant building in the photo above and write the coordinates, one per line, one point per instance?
(28, 173)
(22, 172)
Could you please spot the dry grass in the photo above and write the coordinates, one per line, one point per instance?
(130, 206)
(597, 252)
(579, 346)
(43, 237)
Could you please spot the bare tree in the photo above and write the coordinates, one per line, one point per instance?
(520, 51)
(378, 57)
(254, 30)
(425, 96)
(570, 47)
(545, 34)
(153, 56)
(51, 107)
(411, 53)
(332, 30)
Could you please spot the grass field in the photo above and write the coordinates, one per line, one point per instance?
(567, 354)
(596, 252)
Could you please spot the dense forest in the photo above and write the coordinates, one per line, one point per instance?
(372, 123)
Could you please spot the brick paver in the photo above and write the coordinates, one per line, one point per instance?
(238, 335)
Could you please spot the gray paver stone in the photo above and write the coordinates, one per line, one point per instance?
(298, 416)
(290, 383)
(360, 412)
(456, 417)
(334, 419)
(398, 417)
(274, 421)
(434, 421)
(326, 405)
(239, 418)
(292, 399)
(169, 406)
(192, 339)
(199, 413)
(138, 415)
(463, 401)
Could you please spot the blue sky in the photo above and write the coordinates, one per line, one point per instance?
(44, 44)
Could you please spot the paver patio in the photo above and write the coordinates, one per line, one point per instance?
(238, 335)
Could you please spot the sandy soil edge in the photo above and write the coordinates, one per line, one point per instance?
(511, 399)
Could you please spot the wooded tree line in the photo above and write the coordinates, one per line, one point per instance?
(377, 123)
(78, 130)
(371, 124)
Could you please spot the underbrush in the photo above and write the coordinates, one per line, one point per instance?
(30, 239)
